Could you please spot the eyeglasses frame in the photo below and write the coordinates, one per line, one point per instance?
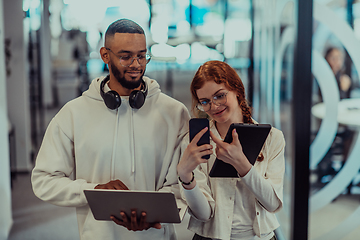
(132, 61)
(200, 107)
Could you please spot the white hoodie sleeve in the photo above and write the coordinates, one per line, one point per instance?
(171, 183)
(55, 163)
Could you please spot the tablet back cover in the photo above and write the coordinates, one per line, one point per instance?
(159, 206)
(252, 138)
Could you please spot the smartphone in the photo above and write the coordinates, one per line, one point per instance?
(195, 126)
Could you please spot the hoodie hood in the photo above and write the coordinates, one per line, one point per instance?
(94, 88)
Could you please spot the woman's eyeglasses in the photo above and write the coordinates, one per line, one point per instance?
(127, 60)
(218, 99)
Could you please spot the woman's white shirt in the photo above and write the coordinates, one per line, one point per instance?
(263, 184)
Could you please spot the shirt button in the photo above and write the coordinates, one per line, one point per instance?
(257, 213)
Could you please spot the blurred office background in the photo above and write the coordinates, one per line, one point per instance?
(49, 53)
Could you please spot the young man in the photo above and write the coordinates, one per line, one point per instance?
(122, 133)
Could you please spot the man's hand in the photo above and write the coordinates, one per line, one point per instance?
(132, 224)
(115, 184)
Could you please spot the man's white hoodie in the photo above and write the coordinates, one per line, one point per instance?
(87, 144)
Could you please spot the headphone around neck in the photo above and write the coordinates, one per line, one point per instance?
(113, 100)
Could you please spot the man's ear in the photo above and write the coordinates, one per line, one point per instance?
(104, 55)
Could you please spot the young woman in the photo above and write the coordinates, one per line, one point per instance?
(230, 208)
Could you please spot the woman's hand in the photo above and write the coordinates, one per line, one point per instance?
(192, 157)
(232, 153)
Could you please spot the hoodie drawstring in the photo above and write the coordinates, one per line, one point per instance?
(112, 168)
(132, 133)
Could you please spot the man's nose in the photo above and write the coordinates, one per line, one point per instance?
(135, 62)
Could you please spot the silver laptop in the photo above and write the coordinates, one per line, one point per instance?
(159, 206)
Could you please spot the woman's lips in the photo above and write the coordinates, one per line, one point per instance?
(220, 112)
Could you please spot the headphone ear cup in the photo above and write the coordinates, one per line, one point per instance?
(137, 99)
(112, 99)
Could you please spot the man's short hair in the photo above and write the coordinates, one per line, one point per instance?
(123, 26)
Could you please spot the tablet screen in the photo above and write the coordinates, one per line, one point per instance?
(252, 138)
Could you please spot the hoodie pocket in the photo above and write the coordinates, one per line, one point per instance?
(94, 229)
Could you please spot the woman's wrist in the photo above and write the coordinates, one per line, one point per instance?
(243, 168)
(187, 182)
(186, 179)
(244, 171)
(184, 174)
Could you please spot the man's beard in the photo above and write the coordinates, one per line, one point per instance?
(121, 79)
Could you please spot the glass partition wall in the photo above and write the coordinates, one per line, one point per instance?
(334, 211)
(317, 109)
(277, 63)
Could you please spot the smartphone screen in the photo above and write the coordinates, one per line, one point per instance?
(195, 126)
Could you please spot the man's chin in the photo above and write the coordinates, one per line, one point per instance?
(131, 83)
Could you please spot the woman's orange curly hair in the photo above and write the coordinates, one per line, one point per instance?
(221, 72)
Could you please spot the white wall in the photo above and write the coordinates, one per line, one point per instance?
(17, 84)
(5, 196)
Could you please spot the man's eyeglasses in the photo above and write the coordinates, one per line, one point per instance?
(127, 60)
(218, 99)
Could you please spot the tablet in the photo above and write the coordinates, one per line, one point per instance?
(252, 138)
(159, 206)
